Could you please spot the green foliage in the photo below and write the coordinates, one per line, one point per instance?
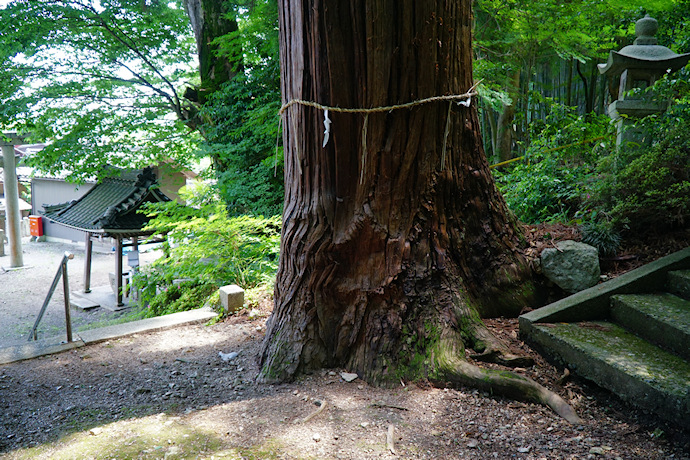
(516, 34)
(529, 50)
(256, 39)
(610, 192)
(601, 234)
(676, 34)
(242, 142)
(242, 127)
(646, 189)
(553, 179)
(99, 80)
(209, 249)
(180, 297)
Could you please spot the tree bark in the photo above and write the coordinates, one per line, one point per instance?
(209, 21)
(504, 136)
(386, 254)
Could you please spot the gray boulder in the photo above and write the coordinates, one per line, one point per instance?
(571, 265)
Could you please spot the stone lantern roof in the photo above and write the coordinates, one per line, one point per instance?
(644, 53)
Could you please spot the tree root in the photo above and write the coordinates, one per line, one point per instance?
(322, 405)
(451, 368)
(493, 350)
(503, 358)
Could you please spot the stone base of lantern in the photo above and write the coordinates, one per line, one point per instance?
(627, 113)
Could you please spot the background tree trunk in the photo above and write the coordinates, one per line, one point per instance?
(209, 20)
(386, 274)
(504, 136)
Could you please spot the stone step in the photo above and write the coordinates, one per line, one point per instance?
(663, 319)
(679, 283)
(635, 370)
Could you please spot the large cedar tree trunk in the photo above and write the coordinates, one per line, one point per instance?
(385, 272)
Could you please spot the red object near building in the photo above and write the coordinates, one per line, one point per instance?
(36, 225)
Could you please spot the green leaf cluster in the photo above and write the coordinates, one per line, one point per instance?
(179, 297)
(242, 132)
(100, 81)
(206, 247)
(611, 193)
(646, 189)
(532, 50)
(553, 179)
(242, 140)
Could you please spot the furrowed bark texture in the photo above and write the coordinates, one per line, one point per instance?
(209, 20)
(373, 270)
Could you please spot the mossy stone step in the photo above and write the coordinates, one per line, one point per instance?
(629, 366)
(663, 319)
(679, 283)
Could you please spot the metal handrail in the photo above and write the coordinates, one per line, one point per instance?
(62, 271)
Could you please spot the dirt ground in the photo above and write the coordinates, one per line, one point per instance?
(169, 394)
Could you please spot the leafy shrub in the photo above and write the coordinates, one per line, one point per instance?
(647, 188)
(603, 235)
(553, 179)
(256, 189)
(241, 138)
(180, 297)
(209, 249)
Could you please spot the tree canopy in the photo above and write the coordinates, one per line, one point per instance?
(103, 81)
(532, 53)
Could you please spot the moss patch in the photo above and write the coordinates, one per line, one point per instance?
(665, 308)
(416, 357)
(156, 436)
(620, 349)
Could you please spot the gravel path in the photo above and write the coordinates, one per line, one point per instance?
(23, 291)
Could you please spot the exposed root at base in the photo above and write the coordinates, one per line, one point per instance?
(503, 358)
(456, 370)
(495, 351)
(322, 405)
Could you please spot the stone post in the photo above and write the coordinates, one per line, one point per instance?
(14, 217)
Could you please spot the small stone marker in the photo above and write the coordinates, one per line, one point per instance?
(231, 297)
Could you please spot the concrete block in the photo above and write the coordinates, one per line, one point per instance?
(231, 297)
(82, 303)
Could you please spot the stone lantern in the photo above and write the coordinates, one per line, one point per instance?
(638, 66)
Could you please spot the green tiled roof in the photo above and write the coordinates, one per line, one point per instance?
(110, 207)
